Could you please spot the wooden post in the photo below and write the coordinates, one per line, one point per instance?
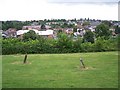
(81, 61)
(25, 59)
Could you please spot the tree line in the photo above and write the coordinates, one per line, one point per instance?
(63, 44)
(100, 40)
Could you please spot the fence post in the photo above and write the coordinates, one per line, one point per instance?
(82, 63)
(25, 59)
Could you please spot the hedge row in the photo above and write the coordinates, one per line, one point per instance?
(64, 45)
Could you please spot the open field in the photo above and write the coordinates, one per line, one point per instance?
(61, 70)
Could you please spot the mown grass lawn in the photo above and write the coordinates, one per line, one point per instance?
(61, 70)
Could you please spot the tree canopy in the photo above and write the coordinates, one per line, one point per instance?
(102, 30)
(30, 35)
(89, 36)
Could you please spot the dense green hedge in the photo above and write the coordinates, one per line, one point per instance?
(62, 45)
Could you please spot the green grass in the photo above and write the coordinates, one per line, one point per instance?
(61, 71)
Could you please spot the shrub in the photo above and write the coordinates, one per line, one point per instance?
(64, 44)
(87, 47)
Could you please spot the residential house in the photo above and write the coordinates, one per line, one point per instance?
(21, 32)
(90, 28)
(69, 30)
(113, 31)
(80, 32)
(71, 22)
(47, 27)
(47, 33)
(2, 34)
(38, 27)
(79, 26)
(48, 23)
(34, 24)
(11, 32)
(59, 28)
(93, 24)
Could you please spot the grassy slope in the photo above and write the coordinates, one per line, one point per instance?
(61, 71)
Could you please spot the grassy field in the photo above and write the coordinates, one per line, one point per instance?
(61, 71)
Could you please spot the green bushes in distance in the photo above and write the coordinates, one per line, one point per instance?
(64, 44)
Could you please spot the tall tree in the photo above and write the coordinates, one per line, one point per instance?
(64, 41)
(89, 36)
(75, 29)
(102, 30)
(30, 35)
(43, 27)
(107, 23)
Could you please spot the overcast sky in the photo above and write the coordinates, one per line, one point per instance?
(58, 9)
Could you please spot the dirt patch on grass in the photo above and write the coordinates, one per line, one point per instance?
(86, 68)
(19, 62)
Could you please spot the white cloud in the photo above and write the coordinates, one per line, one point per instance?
(41, 9)
(82, 0)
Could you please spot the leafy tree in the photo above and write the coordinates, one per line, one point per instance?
(77, 44)
(99, 44)
(89, 36)
(86, 23)
(70, 25)
(102, 30)
(14, 24)
(43, 27)
(64, 41)
(75, 29)
(65, 25)
(30, 35)
(107, 23)
(60, 31)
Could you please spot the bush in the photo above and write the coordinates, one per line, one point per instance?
(87, 47)
(99, 45)
(64, 44)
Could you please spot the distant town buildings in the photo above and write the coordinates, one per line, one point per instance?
(51, 28)
(38, 27)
